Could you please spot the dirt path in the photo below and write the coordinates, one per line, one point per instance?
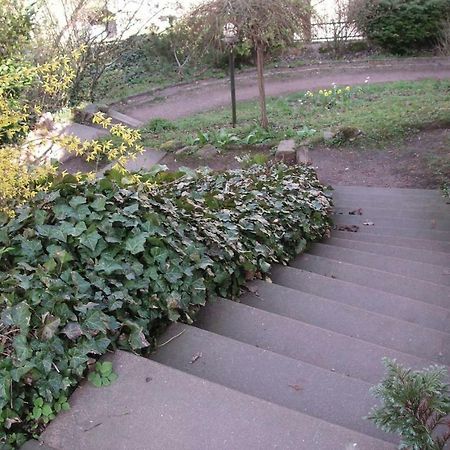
(184, 100)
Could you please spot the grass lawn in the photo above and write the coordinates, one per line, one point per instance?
(367, 116)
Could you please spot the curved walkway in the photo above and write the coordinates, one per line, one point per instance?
(184, 100)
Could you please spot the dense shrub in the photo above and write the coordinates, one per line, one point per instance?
(401, 26)
(415, 405)
(95, 265)
(16, 24)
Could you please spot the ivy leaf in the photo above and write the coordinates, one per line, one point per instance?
(90, 240)
(99, 204)
(77, 201)
(18, 315)
(50, 326)
(95, 379)
(72, 330)
(136, 243)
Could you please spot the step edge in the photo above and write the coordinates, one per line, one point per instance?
(357, 308)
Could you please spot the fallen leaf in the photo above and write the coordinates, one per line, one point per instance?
(351, 228)
(196, 357)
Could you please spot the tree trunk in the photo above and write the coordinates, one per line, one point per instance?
(262, 90)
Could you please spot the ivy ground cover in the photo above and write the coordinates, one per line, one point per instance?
(91, 266)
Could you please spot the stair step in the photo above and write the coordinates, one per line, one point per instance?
(429, 223)
(388, 198)
(412, 269)
(152, 407)
(377, 279)
(299, 340)
(351, 321)
(393, 213)
(372, 201)
(411, 254)
(399, 241)
(411, 233)
(271, 377)
(403, 308)
(433, 194)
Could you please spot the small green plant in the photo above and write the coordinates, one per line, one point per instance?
(306, 133)
(258, 136)
(103, 374)
(225, 137)
(414, 405)
(158, 125)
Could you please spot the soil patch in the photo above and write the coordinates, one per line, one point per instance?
(421, 161)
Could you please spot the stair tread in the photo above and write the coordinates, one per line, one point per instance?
(420, 244)
(391, 191)
(407, 253)
(432, 235)
(152, 406)
(422, 271)
(427, 223)
(272, 377)
(397, 284)
(314, 345)
(396, 213)
(351, 321)
(403, 308)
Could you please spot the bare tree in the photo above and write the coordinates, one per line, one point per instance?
(262, 23)
(99, 27)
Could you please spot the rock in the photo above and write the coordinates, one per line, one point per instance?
(302, 156)
(171, 146)
(286, 151)
(348, 133)
(208, 151)
(86, 114)
(328, 135)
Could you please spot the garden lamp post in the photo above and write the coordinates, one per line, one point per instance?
(230, 37)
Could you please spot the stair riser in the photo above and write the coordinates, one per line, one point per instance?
(376, 279)
(418, 244)
(424, 256)
(418, 312)
(421, 271)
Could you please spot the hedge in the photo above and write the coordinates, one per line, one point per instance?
(96, 265)
(401, 26)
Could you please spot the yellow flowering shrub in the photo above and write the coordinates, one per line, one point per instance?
(21, 174)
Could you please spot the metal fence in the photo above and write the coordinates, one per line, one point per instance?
(334, 31)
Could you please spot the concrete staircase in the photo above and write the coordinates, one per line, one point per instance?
(291, 364)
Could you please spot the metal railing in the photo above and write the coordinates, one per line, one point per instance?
(334, 31)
